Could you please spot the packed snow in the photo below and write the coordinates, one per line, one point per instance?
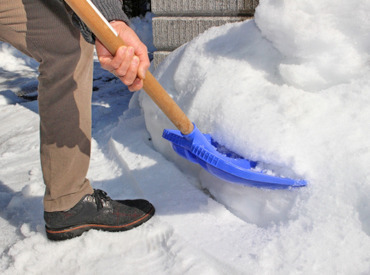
(290, 89)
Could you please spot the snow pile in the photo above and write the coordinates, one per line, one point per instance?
(290, 89)
(313, 37)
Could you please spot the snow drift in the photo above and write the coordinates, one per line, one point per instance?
(290, 89)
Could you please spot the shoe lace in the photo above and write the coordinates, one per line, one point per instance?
(101, 198)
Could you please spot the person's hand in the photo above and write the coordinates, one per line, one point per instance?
(130, 62)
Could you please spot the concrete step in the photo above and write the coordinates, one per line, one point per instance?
(158, 57)
(203, 7)
(171, 32)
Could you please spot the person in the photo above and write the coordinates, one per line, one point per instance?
(49, 32)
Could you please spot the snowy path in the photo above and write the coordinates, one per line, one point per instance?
(184, 236)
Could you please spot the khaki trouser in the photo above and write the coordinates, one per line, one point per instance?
(43, 30)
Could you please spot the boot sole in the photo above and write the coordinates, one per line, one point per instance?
(75, 231)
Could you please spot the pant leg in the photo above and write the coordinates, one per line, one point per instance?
(43, 30)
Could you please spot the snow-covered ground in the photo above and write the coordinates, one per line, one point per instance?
(290, 88)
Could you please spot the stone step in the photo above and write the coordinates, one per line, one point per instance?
(158, 57)
(171, 32)
(203, 7)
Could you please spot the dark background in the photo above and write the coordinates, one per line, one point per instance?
(134, 8)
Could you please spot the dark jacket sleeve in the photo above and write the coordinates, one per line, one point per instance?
(111, 10)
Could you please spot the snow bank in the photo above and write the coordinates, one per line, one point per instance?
(290, 89)
(315, 36)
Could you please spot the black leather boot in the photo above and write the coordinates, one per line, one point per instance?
(97, 211)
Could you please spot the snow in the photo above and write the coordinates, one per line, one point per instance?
(290, 89)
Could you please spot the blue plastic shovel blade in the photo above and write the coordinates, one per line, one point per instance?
(201, 149)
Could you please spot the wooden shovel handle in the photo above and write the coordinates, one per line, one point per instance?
(104, 32)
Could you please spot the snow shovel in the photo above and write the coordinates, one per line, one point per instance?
(187, 141)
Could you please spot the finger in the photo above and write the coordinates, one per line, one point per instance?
(136, 85)
(143, 67)
(131, 73)
(118, 58)
(105, 62)
(142, 53)
(125, 62)
(100, 49)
